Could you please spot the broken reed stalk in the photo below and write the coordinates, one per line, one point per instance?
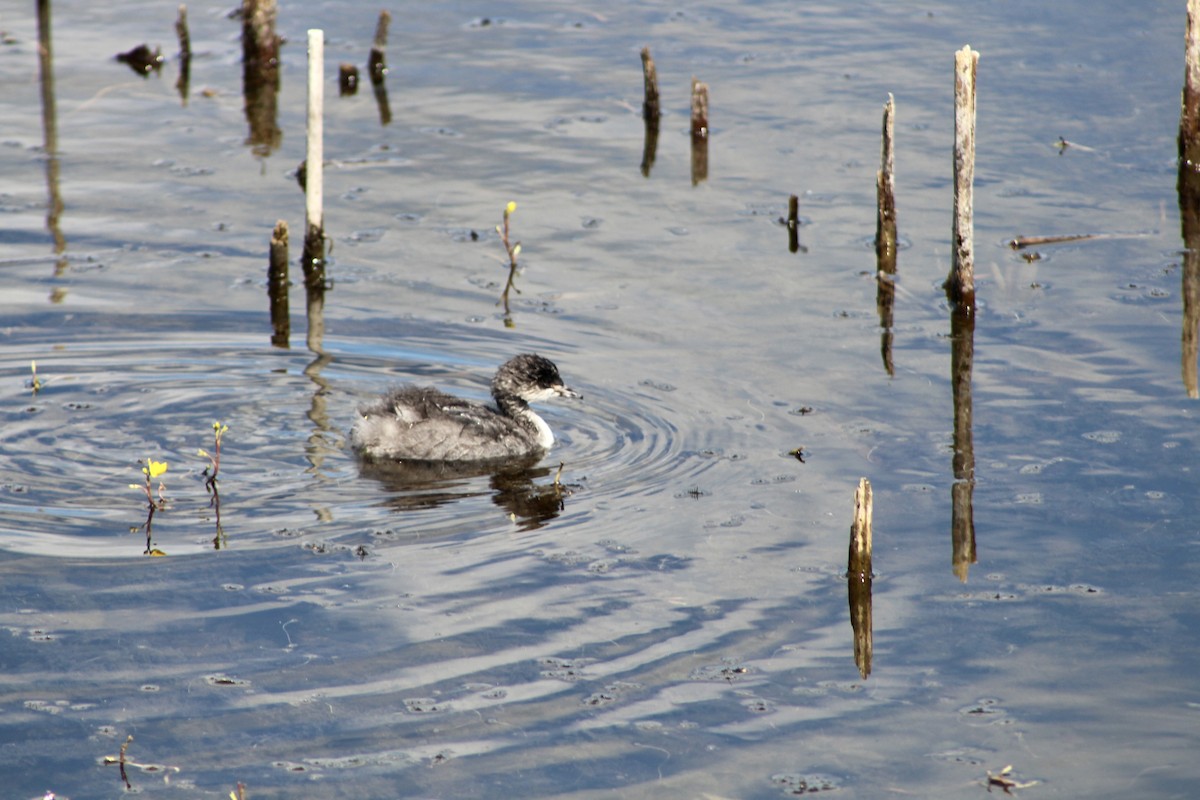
(1188, 189)
(885, 193)
(277, 285)
(859, 578)
(347, 80)
(960, 285)
(376, 65)
(699, 131)
(793, 224)
(1189, 118)
(651, 112)
(650, 105)
(185, 39)
(185, 54)
(859, 566)
(699, 110)
(314, 222)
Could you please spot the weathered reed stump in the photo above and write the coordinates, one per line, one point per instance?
(376, 62)
(960, 285)
(699, 131)
(185, 54)
(347, 80)
(650, 105)
(859, 577)
(377, 68)
(651, 112)
(885, 192)
(793, 225)
(1189, 117)
(885, 235)
(277, 286)
(1188, 188)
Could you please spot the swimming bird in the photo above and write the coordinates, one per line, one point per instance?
(420, 423)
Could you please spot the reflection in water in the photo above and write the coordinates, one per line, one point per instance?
(1188, 188)
(962, 520)
(260, 74)
(418, 485)
(1189, 214)
(50, 141)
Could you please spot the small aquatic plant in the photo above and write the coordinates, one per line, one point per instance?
(513, 249)
(214, 458)
(210, 479)
(152, 470)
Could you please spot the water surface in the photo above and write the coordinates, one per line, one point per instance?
(673, 622)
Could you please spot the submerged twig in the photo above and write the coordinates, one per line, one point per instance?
(1032, 241)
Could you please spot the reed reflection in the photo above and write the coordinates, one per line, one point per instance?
(962, 515)
(260, 75)
(54, 208)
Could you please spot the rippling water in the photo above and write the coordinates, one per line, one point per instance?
(671, 619)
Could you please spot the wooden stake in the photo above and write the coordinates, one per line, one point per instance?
(960, 285)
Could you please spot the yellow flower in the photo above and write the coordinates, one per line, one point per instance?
(154, 468)
(510, 208)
